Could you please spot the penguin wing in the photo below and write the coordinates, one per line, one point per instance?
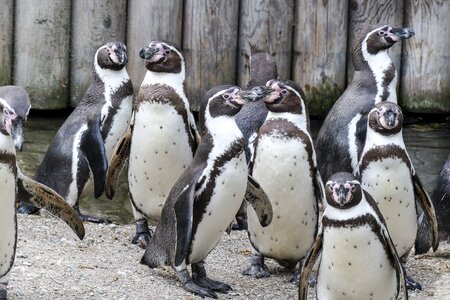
(93, 148)
(118, 159)
(428, 208)
(319, 189)
(44, 197)
(256, 196)
(308, 265)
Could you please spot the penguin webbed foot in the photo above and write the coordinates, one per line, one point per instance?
(412, 285)
(295, 278)
(26, 208)
(192, 287)
(257, 267)
(199, 277)
(143, 234)
(240, 224)
(3, 295)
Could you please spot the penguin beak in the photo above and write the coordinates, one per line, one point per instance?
(153, 53)
(402, 33)
(17, 133)
(390, 118)
(342, 195)
(255, 94)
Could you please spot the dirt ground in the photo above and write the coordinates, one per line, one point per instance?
(51, 263)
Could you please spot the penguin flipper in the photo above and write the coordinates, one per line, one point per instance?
(44, 197)
(256, 196)
(118, 160)
(308, 265)
(428, 209)
(319, 189)
(93, 148)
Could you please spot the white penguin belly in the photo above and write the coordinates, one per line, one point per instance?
(282, 169)
(7, 221)
(228, 194)
(118, 126)
(354, 265)
(389, 182)
(159, 153)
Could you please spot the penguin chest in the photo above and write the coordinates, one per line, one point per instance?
(118, 125)
(283, 169)
(354, 265)
(224, 202)
(159, 153)
(7, 220)
(389, 182)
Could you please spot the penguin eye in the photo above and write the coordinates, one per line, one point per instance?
(226, 96)
(381, 32)
(284, 92)
(168, 52)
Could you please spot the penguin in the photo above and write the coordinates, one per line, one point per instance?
(206, 197)
(163, 139)
(82, 147)
(285, 167)
(262, 68)
(441, 200)
(359, 260)
(12, 179)
(386, 172)
(341, 137)
(17, 97)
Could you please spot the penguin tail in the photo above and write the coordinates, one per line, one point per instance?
(153, 256)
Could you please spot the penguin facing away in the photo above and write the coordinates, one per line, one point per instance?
(441, 200)
(206, 197)
(82, 147)
(385, 170)
(341, 138)
(285, 167)
(162, 141)
(17, 97)
(12, 179)
(359, 260)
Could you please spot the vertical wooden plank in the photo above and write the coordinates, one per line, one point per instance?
(320, 47)
(6, 40)
(267, 24)
(41, 52)
(425, 80)
(209, 45)
(366, 12)
(94, 23)
(150, 20)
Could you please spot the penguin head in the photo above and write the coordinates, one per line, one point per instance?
(112, 56)
(7, 116)
(386, 118)
(375, 39)
(286, 97)
(343, 190)
(162, 57)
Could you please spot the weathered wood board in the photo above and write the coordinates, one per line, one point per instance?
(6, 41)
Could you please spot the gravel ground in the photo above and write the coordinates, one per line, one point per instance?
(51, 263)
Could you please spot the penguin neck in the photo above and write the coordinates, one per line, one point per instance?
(376, 139)
(378, 67)
(223, 130)
(299, 120)
(175, 80)
(112, 80)
(7, 144)
(353, 212)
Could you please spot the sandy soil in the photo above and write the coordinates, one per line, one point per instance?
(51, 263)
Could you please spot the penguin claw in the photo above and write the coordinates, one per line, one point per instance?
(257, 271)
(412, 285)
(212, 284)
(198, 290)
(295, 278)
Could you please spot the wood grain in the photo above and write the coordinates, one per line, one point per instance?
(41, 52)
(94, 23)
(6, 41)
(320, 47)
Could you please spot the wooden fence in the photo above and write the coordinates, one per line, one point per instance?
(47, 46)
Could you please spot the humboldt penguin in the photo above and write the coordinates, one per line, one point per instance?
(163, 137)
(11, 179)
(341, 137)
(17, 97)
(262, 68)
(206, 197)
(284, 164)
(386, 172)
(441, 200)
(359, 260)
(82, 147)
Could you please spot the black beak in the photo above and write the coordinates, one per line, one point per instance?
(403, 33)
(147, 52)
(390, 118)
(342, 195)
(17, 133)
(256, 93)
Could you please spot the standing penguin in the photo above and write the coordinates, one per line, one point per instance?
(161, 142)
(17, 97)
(206, 197)
(285, 167)
(341, 137)
(441, 200)
(83, 145)
(12, 179)
(386, 172)
(359, 260)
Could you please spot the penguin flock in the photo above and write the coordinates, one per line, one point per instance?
(350, 200)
